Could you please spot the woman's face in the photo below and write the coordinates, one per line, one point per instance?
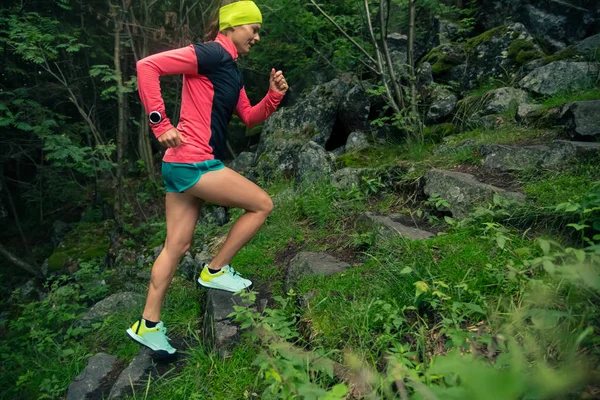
(244, 37)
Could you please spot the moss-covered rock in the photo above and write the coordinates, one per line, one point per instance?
(493, 54)
(87, 241)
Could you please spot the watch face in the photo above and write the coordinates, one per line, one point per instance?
(155, 117)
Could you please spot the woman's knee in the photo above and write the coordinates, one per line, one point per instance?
(266, 204)
(177, 248)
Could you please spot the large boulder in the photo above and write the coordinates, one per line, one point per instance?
(559, 23)
(493, 54)
(354, 109)
(326, 116)
(589, 48)
(582, 118)
(462, 191)
(314, 163)
(357, 141)
(501, 100)
(92, 381)
(314, 115)
(243, 162)
(508, 158)
(112, 304)
(560, 76)
(443, 103)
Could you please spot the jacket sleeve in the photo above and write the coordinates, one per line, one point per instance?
(251, 116)
(149, 69)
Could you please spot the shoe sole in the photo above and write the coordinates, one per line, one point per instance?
(140, 340)
(220, 287)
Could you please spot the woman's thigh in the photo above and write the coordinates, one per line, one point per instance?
(226, 187)
(182, 211)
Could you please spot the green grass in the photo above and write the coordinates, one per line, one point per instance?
(569, 97)
(342, 312)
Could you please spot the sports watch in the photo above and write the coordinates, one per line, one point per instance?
(155, 117)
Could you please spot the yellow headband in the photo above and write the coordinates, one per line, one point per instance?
(239, 13)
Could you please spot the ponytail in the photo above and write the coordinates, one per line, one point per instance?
(212, 28)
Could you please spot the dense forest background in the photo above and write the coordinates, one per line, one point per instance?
(431, 85)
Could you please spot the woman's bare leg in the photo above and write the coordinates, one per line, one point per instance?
(226, 187)
(182, 211)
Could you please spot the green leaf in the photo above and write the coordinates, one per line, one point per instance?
(421, 287)
(406, 271)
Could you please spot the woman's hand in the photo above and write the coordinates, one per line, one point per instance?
(171, 138)
(277, 82)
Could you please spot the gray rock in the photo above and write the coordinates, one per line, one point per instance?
(243, 162)
(203, 257)
(354, 109)
(527, 112)
(368, 222)
(462, 191)
(311, 118)
(561, 76)
(91, 381)
(310, 263)
(582, 118)
(564, 151)
(110, 305)
(513, 158)
(314, 163)
(189, 267)
(424, 75)
(447, 31)
(357, 141)
(590, 47)
(219, 216)
(558, 22)
(278, 156)
(29, 291)
(443, 103)
(345, 178)
(338, 152)
(59, 232)
(474, 62)
(501, 100)
(135, 374)
(218, 331)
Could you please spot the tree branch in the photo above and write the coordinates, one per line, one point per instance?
(345, 34)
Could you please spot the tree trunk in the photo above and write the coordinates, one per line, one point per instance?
(144, 145)
(32, 269)
(411, 57)
(121, 122)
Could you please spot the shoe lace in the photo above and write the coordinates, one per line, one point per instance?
(163, 330)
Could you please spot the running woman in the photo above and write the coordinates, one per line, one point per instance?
(192, 169)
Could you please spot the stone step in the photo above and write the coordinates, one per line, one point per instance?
(308, 263)
(463, 191)
(369, 221)
(135, 374)
(94, 380)
(217, 330)
(507, 158)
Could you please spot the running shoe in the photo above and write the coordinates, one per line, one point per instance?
(153, 338)
(226, 279)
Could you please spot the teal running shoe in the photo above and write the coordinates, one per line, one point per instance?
(226, 279)
(153, 338)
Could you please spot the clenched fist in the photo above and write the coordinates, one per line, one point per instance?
(278, 82)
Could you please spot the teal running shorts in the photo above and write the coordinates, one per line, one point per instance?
(180, 177)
